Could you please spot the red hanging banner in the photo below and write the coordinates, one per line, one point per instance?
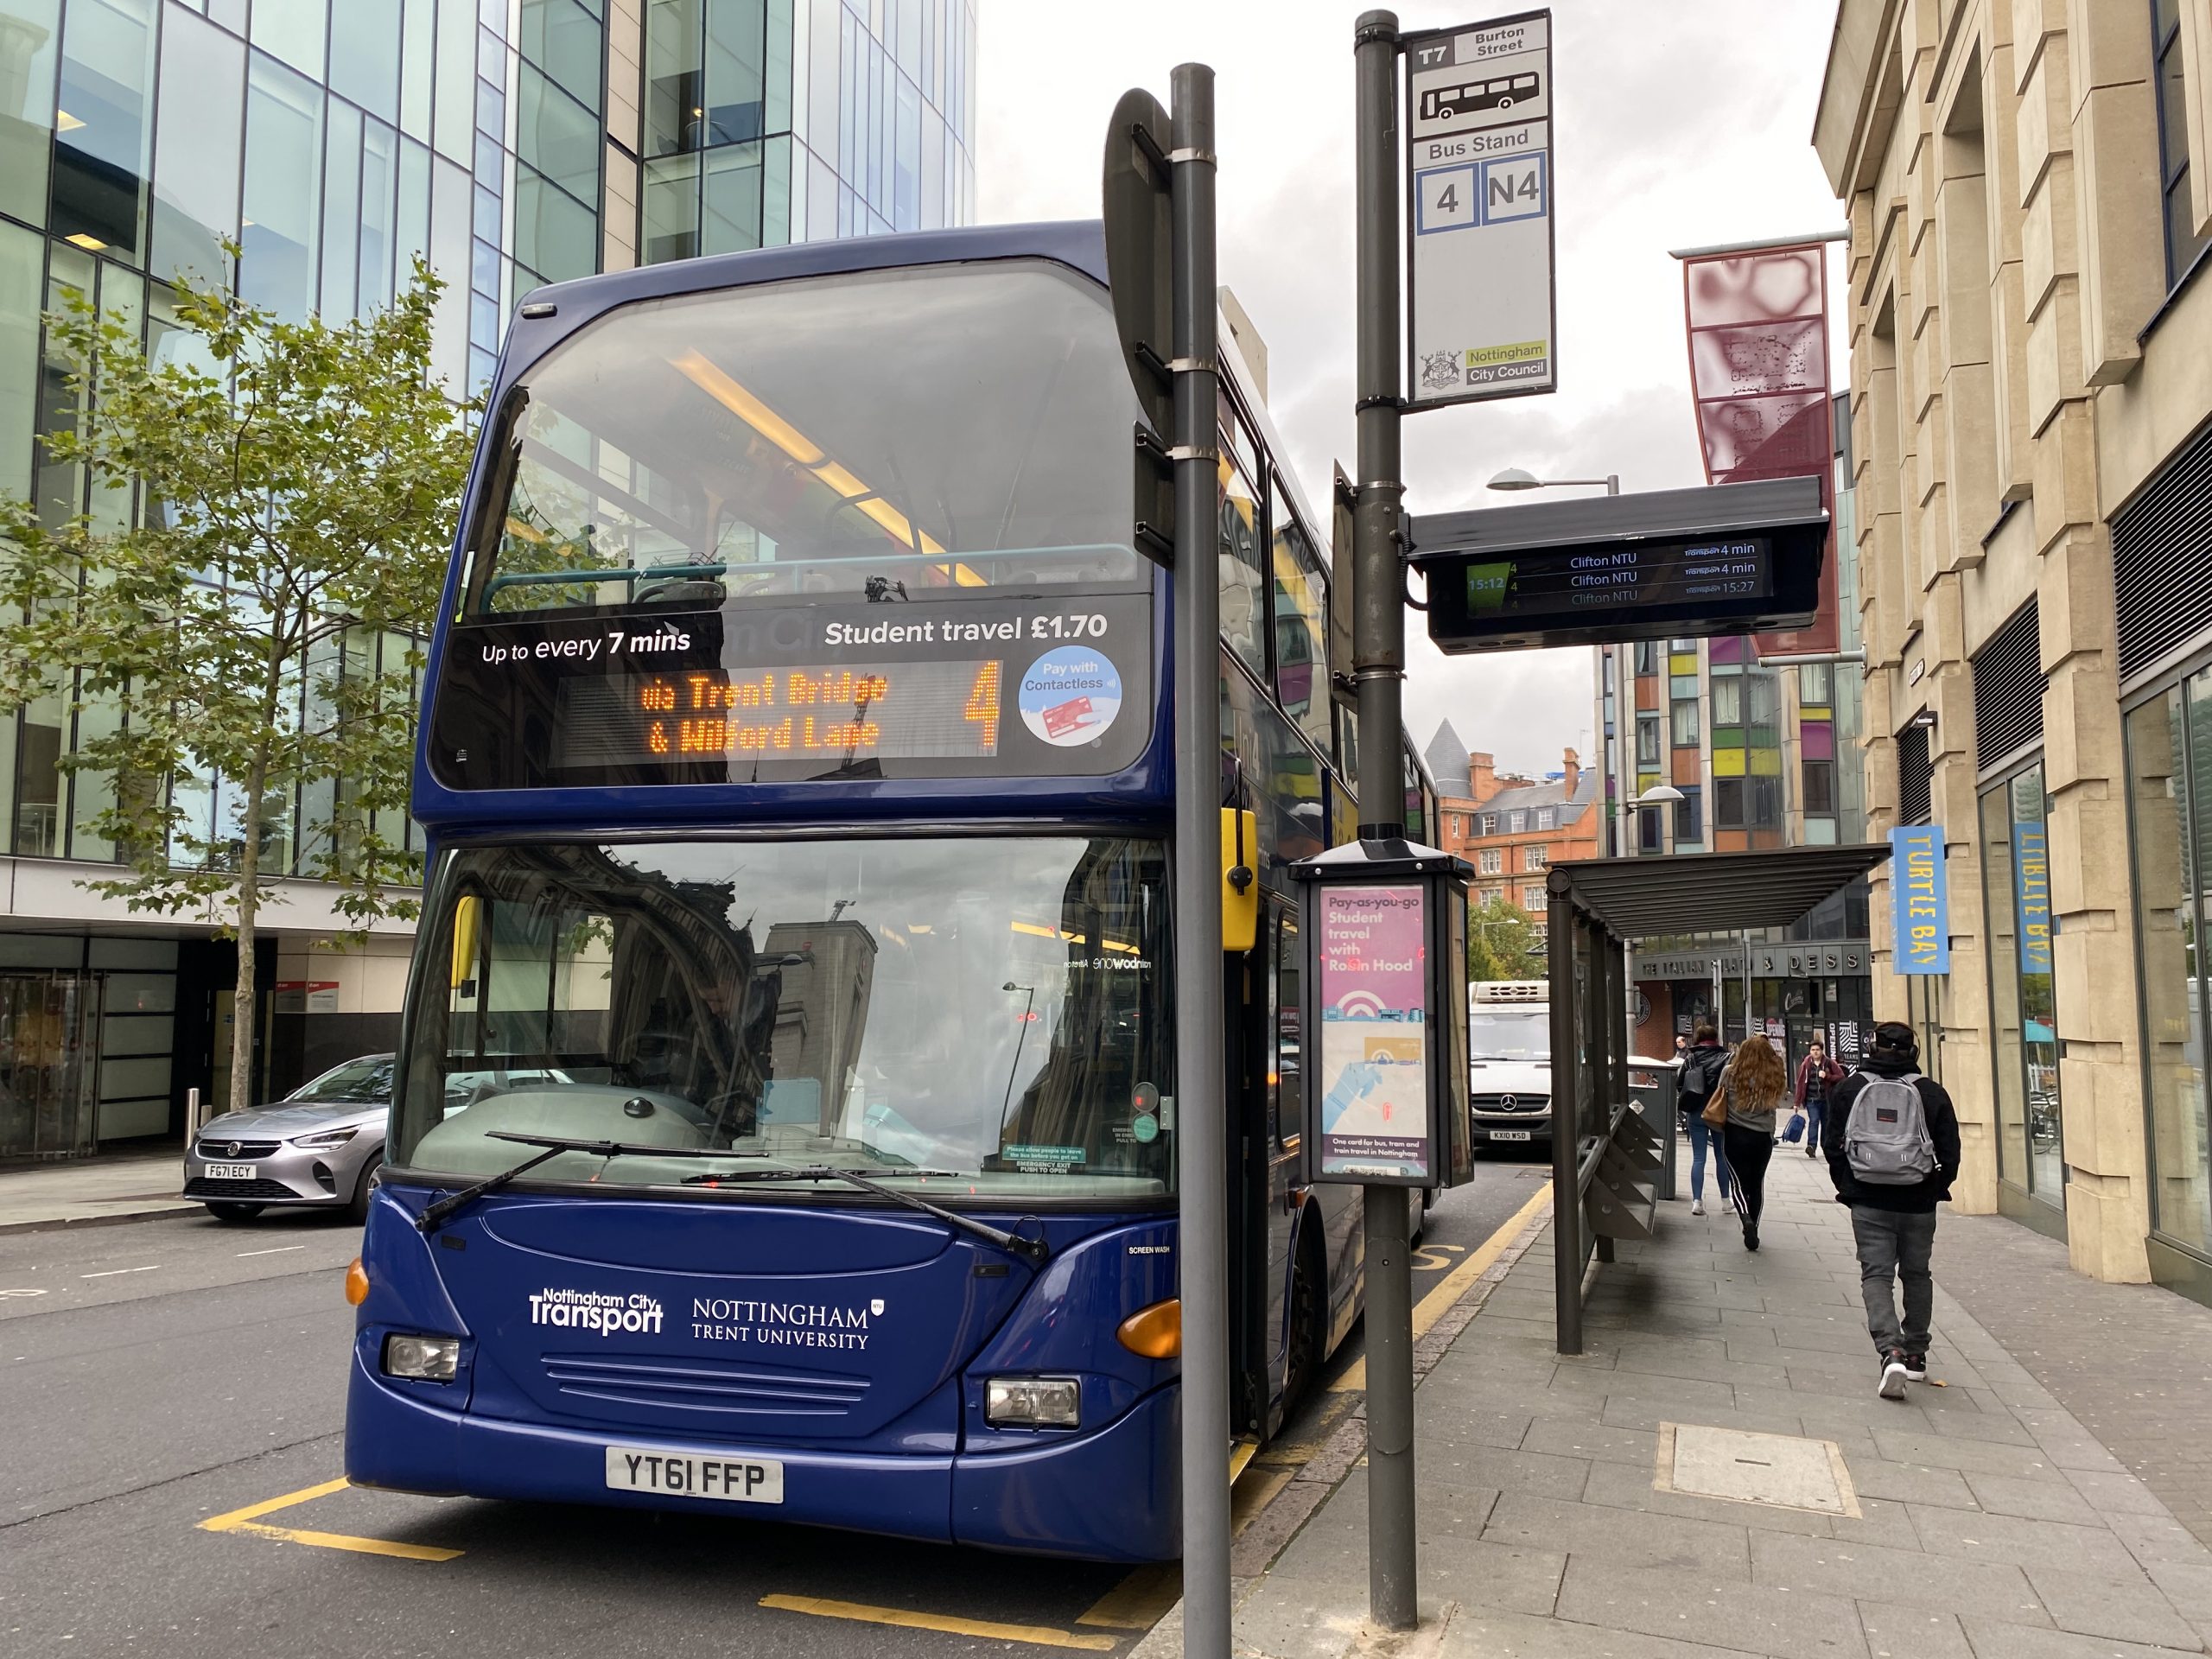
(1759, 342)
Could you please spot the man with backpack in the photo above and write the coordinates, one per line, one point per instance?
(1891, 1139)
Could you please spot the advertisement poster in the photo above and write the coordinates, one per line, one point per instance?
(1759, 340)
(1920, 891)
(2032, 888)
(1373, 1060)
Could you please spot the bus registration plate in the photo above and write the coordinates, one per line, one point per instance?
(737, 1480)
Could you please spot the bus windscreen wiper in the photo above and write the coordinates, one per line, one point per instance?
(554, 1145)
(1032, 1250)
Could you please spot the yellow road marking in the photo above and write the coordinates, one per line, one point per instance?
(245, 1519)
(1433, 1307)
(1138, 1602)
(1041, 1635)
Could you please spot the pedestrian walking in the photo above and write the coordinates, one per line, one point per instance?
(1751, 1089)
(1701, 1067)
(1892, 1144)
(1817, 1077)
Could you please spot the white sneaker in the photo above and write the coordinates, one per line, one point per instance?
(1697, 1206)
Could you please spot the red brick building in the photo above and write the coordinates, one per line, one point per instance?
(1510, 828)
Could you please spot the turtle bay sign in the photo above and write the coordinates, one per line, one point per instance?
(1481, 314)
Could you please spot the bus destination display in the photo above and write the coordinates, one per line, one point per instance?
(894, 710)
(778, 693)
(1544, 585)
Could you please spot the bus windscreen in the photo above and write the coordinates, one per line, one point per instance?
(869, 526)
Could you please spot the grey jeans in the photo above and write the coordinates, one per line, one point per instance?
(1893, 1245)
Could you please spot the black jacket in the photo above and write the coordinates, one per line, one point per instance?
(1942, 1129)
(1701, 1072)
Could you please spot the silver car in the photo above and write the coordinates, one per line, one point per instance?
(320, 1146)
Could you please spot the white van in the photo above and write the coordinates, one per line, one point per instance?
(1509, 1046)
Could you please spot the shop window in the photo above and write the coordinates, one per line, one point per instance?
(2169, 789)
(2016, 896)
(2183, 243)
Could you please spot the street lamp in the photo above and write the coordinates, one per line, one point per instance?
(1513, 478)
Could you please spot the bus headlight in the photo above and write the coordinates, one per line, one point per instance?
(1031, 1401)
(430, 1359)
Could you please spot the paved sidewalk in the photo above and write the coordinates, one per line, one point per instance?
(119, 1186)
(1990, 1523)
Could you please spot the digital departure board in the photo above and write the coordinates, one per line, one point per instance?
(1729, 558)
(965, 686)
(1544, 586)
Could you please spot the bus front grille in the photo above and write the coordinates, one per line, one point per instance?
(697, 1385)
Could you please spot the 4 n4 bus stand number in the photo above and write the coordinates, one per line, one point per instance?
(1076, 626)
(983, 706)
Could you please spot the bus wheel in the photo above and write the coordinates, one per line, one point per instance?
(1308, 1315)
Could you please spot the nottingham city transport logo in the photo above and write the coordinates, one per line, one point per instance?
(596, 1310)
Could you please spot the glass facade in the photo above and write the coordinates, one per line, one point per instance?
(773, 121)
(2170, 811)
(333, 141)
(2023, 997)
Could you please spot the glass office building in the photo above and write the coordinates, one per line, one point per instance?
(513, 142)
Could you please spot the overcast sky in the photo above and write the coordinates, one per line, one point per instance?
(1680, 123)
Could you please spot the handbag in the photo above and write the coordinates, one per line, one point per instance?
(1715, 1114)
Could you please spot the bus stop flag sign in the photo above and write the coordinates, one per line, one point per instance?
(1478, 221)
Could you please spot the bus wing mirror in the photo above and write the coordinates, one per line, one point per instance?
(1240, 882)
(467, 923)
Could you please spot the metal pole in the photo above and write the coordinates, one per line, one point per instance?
(1379, 672)
(1201, 1114)
(1566, 1139)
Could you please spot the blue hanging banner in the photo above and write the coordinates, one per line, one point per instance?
(2032, 883)
(1921, 897)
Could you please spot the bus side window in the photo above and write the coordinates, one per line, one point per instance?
(1290, 1086)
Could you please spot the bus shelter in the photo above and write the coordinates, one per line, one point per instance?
(1606, 1155)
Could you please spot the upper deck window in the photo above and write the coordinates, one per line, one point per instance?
(908, 434)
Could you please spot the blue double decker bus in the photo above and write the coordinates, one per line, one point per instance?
(787, 1114)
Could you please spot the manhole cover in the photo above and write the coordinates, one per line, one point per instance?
(1785, 1470)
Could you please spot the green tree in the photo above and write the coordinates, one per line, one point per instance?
(1503, 942)
(300, 484)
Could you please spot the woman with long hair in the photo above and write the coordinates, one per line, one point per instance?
(1754, 1085)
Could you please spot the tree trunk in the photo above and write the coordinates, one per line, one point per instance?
(243, 1010)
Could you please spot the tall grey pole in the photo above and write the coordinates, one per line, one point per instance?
(1201, 1112)
(1379, 671)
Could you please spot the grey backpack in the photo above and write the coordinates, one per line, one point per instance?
(1887, 1140)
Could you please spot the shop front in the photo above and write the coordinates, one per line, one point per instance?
(1791, 993)
(2169, 810)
